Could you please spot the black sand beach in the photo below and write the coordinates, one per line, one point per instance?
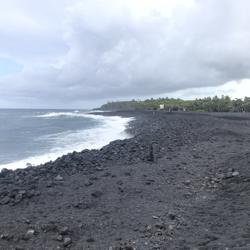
(182, 182)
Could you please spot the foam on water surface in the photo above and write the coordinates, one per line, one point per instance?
(111, 128)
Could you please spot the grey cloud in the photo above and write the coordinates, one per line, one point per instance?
(96, 50)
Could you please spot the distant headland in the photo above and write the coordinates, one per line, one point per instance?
(208, 104)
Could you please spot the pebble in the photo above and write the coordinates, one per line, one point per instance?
(160, 226)
(90, 240)
(49, 184)
(232, 174)
(59, 178)
(67, 241)
(29, 234)
(155, 217)
(235, 173)
(171, 216)
(5, 171)
(48, 227)
(97, 194)
(129, 248)
(88, 183)
(5, 200)
(156, 246)
(6, 236)
(59, 238)
(187, 182)
(99, 169)
(64, 230)
(27, 221)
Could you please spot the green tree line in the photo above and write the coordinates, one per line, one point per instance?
(208, 104)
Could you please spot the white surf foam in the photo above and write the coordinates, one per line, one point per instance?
(112, 128)
(73, 114)
(66, 114)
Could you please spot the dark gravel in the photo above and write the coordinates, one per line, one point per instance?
(182, 182)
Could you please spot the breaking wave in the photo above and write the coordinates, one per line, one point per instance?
(111, 128)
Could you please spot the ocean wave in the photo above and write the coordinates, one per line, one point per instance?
(58, 114)
(111, 128)
(74, 114)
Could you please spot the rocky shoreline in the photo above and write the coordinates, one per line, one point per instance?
(181, 182)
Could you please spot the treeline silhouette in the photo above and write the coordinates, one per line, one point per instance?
(208, 104)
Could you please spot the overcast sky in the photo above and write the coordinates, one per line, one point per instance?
(81, 53)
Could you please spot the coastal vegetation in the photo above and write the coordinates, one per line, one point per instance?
(208, 104)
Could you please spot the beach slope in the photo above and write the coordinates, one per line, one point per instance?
(181, 182)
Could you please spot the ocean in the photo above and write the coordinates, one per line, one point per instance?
(34, 137)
